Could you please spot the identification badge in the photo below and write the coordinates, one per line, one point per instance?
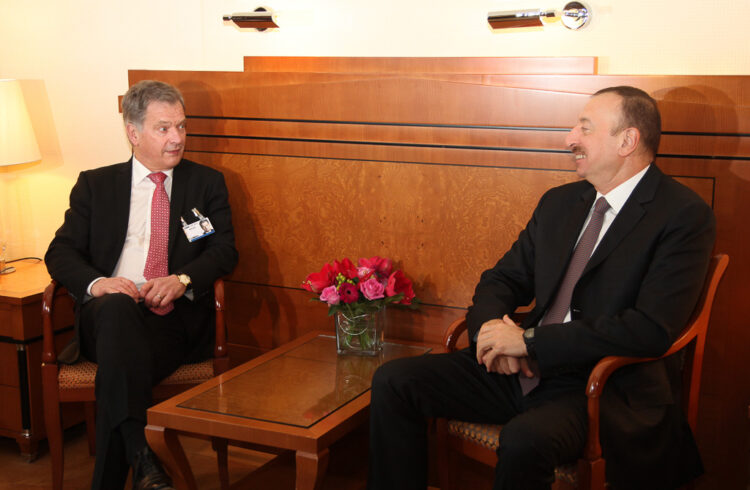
(197, 229)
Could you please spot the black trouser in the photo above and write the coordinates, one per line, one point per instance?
(542, 430)
(135, 349)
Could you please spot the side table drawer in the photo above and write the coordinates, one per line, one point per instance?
(8, 366)
(10, 409)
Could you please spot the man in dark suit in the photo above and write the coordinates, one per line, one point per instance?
(651, 239)
(143, 290)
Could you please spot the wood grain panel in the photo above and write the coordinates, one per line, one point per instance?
(265, 326)
(496, 157)
(10, 409)
(377, 65)
(454, 220)
(8, 365)
(384, 133)
(438, 163)
(711, 104)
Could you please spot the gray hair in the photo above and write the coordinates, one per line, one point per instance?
(139, 96)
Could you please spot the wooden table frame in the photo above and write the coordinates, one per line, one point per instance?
(166, 420)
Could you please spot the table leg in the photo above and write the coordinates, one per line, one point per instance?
(311, 467)
(220, 446)
(168, 449)
(29, 448)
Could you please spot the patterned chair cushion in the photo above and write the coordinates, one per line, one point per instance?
(82, 374)
(488, 436)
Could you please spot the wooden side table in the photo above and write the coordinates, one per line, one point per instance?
(21, 413)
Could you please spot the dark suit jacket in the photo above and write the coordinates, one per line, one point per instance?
(636, 294)
(90, 241)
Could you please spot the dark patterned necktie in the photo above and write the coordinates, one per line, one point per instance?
(156, 260)
(559, 309)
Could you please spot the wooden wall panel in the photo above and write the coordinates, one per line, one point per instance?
(438, 163)
(438, 222)
(423, 66)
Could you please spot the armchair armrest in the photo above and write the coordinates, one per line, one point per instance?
(49, 354)
(450, 337)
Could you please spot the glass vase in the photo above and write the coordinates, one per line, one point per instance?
(360, 335)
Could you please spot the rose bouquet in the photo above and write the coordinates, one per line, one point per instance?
(357, 296)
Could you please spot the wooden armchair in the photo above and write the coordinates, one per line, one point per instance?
(480, 441)
(63, 383)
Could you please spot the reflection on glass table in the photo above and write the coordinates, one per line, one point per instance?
(300, 387)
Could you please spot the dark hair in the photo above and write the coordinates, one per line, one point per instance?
(139, 96)
(639, 110)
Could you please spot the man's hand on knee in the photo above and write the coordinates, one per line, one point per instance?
(511, 365)
(499, 337)
(162, 291)
(109, 285)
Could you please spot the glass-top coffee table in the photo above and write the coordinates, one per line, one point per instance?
(301, 396)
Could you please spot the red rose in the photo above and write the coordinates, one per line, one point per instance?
(346, 268)
(348, 292)
(397, 284)
(318, 281)
(381, 265)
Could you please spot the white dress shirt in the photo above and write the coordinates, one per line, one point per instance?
(135, 250)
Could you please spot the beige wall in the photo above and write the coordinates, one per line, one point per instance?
(73, 58)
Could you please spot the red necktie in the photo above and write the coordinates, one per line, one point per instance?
(156, 261)
(559, 309)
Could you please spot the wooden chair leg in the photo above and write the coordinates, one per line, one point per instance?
(53, 425)
(222, 459)
(444, 460)
(591, 474)
(89, 409)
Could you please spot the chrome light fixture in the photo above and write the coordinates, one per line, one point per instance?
(518, 18)
(573, 16)
(261, 19)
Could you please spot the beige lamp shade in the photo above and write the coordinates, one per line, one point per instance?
(17, 140)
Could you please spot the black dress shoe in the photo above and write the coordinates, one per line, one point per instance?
(148, 473)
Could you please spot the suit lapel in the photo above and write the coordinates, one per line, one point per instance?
(123, 183)
(630, 214)
(177, 203)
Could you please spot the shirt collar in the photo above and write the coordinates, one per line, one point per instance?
(140, 172)
(616, 197)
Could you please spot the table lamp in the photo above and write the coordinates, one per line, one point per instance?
(17, 140)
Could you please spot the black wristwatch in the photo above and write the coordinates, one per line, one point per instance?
(528, 338)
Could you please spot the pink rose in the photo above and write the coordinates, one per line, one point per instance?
(372, 289)
(348, 292)
(318, 281)
(330, 295)
(397, 284)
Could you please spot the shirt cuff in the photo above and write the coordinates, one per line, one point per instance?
(91, 284)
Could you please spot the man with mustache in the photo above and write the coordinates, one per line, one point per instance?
(143, 290)
(615, 264)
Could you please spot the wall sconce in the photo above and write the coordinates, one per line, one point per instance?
(261, 19)
(573, 16)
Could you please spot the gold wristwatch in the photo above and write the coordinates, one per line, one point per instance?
(184, 280)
